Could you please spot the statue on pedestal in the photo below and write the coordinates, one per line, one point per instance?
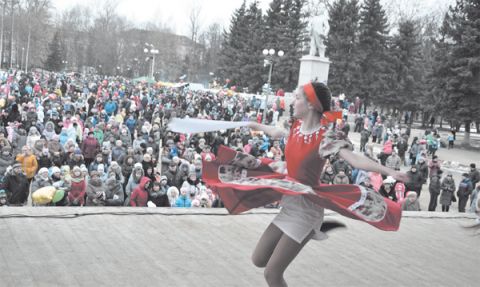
(318, 33)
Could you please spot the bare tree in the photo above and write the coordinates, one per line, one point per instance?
(13, 4)
(4, 6)
(194, 19)
(34, 9)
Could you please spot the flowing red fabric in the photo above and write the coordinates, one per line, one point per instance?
(353, 201)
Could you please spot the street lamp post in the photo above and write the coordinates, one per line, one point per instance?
(21, 60)
(153, 52)
(65, 63)
(269, 55)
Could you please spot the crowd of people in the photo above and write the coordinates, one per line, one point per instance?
(104, 142)
(419, 155)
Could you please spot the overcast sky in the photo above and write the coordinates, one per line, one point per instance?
(175, 13)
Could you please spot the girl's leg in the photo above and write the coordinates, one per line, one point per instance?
(266, 245)
(283, 254)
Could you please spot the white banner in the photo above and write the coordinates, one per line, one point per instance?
(191, 126)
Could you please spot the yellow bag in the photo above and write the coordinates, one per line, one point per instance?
(44, 195)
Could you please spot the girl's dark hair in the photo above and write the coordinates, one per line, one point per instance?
(323, 94)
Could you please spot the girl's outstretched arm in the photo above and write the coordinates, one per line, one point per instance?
(273, 132)
(364, 163)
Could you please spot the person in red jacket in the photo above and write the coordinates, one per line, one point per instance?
(90, 148)
(140, 193)
(76, 196)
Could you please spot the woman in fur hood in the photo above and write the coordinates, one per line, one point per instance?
(133, 181)
(6, 159)
(33, 136)
(49, 131)
(95, 190)
(116, 170)
(78, 189)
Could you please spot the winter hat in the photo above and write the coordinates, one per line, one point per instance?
(389, 180)
(83, 168)
(111, 181)
(163, 177)
(78, 151)
(172, 191)
(75, 169)
(138, 166)
(55, 169)
(43, 170)
(412, 194)
(16, 165)
(101, 167)
(94, 173)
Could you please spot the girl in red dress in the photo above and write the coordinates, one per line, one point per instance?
(244, 182)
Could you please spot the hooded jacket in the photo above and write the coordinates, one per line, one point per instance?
(140, 194)
(133, 182)
(49, 131)
(78, 189)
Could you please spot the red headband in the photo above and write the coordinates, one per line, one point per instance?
(312, 97)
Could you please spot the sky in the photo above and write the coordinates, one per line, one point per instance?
(175, 13)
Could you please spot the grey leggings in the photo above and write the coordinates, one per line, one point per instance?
(275, 251)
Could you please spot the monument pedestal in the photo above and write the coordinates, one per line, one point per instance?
(313, 68)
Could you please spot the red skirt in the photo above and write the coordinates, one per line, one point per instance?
(244, 182)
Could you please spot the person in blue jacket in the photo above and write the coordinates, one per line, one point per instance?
(183, 200)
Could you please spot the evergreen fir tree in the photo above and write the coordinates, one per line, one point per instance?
(285, 29)
(463, 84)
(251, 54)
(54, 58)
(293, 44)
(407, 77)
(342, 47)
(229, 63)
(275, 38)
(441, 72)
(374, 70)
